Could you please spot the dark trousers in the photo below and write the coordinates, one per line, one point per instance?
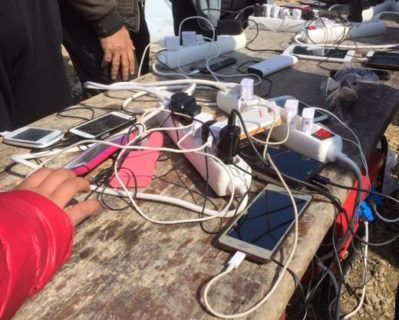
(33, 82)
(84, 48)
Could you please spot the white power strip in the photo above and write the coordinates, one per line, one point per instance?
(320, 144)
(341, 32)
(276, 24)
(218, 178)
(187, 55)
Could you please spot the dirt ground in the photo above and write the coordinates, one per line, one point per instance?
(383, 269)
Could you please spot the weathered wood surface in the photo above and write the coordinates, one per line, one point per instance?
(124, 267)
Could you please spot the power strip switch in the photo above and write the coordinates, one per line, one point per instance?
(216, 174)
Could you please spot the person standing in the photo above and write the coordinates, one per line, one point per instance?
(33, 82)
(104, 38)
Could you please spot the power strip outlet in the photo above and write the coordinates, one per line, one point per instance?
(341, 32)
(320, 144)
(218, 178)
(276, 24)
(187, 55)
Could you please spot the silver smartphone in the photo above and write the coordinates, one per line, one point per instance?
(102, 127)
(262, 227)
(31, 137)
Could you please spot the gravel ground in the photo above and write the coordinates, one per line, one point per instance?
(383, 270)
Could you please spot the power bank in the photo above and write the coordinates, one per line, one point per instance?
(138, 167)
(272, 65)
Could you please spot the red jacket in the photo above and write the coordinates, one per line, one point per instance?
(35, 240)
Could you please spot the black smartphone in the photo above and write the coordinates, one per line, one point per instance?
(383, 60)
(214, 64)
(260, 229)
(289, 162)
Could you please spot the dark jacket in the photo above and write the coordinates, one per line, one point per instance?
(106, 16)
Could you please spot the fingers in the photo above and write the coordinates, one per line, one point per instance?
(107, 57)
(130, 55)
(116, 61)
(35, 179)
(68, 189)
(53, 181)
(83, 210)
(125, 66)
(118, 51)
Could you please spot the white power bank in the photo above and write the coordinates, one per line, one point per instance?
(273, 64)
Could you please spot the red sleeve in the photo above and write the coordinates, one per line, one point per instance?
(35, 241)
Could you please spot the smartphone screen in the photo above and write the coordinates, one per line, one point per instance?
(289, 162)
(32, 134)
(321, 52)
(268, 220)
(103, 126)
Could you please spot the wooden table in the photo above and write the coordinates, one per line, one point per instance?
(124, 267)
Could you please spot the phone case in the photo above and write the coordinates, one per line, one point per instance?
(139, 166)
(92, 158)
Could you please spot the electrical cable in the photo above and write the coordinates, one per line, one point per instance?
(282, 273)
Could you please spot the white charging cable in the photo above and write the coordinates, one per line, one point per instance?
(237, 260)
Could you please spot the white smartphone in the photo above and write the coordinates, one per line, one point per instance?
(102, 126)
(318, 53)
(319, 117)
(31, 137)
(262, 227)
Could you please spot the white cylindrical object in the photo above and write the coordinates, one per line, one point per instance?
(285, 13)
(307, 120)
(267, 9)
(189, 38)
(275, 11)
(296, 14)
(290, 110)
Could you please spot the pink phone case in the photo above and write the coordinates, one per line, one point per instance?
(92, 158)
(139, 165)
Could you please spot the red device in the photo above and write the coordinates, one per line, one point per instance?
(139, 165)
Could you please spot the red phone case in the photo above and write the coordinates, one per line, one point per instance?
(139, 165)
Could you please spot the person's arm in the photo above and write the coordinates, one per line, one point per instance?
(114, 38)
(36, 234)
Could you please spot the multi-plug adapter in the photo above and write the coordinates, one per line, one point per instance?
(209, 168)
(187, 55)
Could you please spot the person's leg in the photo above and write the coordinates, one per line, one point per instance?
(31, 59)
(141, 39)
(83, 46)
